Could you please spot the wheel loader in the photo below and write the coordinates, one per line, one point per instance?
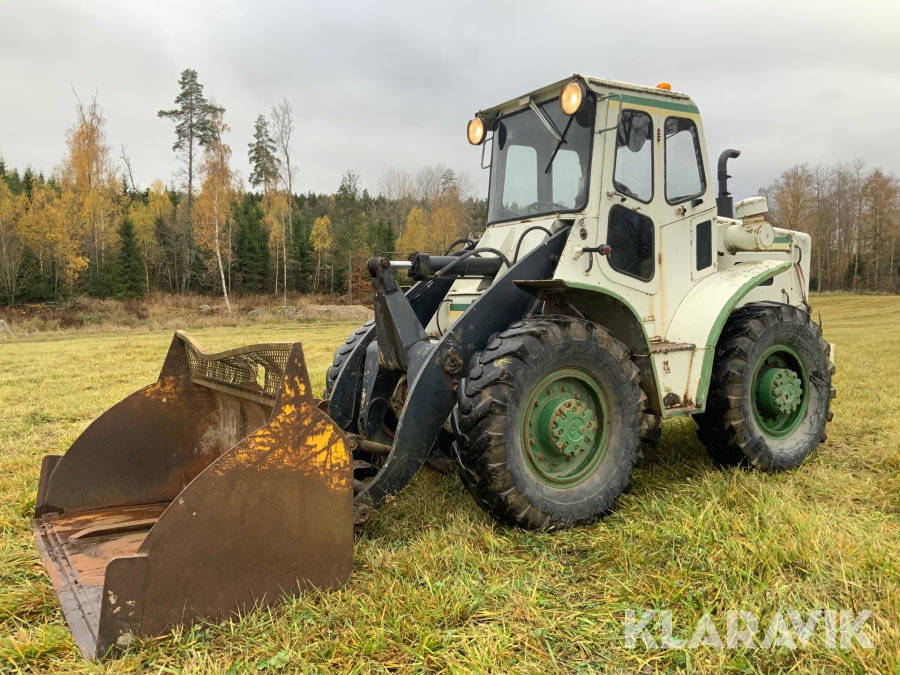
(611, 290)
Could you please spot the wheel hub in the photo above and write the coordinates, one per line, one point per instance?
(780, 383)
(572, 426)
(565, 427)
(780, 391)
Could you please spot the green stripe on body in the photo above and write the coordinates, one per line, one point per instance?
(459, 308)
(665, 105)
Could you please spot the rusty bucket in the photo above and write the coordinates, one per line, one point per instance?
(218, 488)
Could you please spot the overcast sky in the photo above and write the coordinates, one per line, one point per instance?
(381, 84)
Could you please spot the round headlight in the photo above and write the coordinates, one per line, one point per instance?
(572, 97)
(475, 131)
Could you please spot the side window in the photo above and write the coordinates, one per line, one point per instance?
(633, 175)
(520, 182)
(684, 163)
(630, 235)
(703, 241)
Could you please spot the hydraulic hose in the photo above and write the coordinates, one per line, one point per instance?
(522, 238)
(464, 240)
(469, 254)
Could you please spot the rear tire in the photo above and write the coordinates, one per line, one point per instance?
(770, 394)
(548, 423)
(340, 354)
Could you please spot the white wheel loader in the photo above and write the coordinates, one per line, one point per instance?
(612, 289)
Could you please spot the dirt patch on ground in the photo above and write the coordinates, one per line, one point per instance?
(335, 312)
(172, 312)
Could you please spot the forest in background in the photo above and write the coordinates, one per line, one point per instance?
(87, 228)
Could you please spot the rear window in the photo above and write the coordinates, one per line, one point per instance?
(684, 161)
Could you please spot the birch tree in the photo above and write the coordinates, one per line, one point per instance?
(283, 125)
(322, 242)
(216, 199)
(12, 274)
(89, 182)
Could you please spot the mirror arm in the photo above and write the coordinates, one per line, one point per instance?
(619, 120)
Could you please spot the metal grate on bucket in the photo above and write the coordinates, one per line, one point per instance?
(257, 373)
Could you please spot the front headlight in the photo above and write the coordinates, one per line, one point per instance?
(572, 97)
(475, 131)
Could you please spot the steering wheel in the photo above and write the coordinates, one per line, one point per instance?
(536, 205)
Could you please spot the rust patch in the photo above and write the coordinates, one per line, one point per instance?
(672, 400)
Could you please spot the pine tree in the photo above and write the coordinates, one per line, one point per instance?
(129, 268)
(384, 239)
(194, 129)
(262, 156)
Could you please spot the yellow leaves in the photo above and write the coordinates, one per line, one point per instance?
(436, 229)
(415, 235)
(217, 194)
(158, 200)
(47, 229)
(321, 237)
(11, 207)
(89, 182)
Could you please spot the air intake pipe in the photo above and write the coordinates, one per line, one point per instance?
(724, 201)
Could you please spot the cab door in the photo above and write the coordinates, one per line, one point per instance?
(687, 209)
(628, 196)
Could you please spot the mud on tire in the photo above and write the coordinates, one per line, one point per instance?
(490, 428)
(735, 428)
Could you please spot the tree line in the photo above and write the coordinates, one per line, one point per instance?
(88, 228)
(852, 213)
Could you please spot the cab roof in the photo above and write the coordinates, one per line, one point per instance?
(596, 84)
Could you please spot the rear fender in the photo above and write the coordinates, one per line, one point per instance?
(702, 315)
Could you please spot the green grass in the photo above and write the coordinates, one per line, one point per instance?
(438, 587)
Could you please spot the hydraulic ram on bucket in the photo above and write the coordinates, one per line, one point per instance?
(217, 488)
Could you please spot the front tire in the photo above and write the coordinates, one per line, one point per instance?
(548, 423)
(770, 394)
(341, 353)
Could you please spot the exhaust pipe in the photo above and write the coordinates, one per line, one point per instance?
(724, 200)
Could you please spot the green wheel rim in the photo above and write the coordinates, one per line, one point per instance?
(565, 427)
(780, 391)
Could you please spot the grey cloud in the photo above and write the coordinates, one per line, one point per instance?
(393, 83)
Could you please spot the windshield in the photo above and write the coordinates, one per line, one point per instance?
(522, 149)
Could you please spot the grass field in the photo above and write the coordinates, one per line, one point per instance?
(438, 587)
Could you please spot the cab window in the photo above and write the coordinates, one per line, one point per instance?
(630, 235)
(520, 180)
(684, 163)
(633, 174)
